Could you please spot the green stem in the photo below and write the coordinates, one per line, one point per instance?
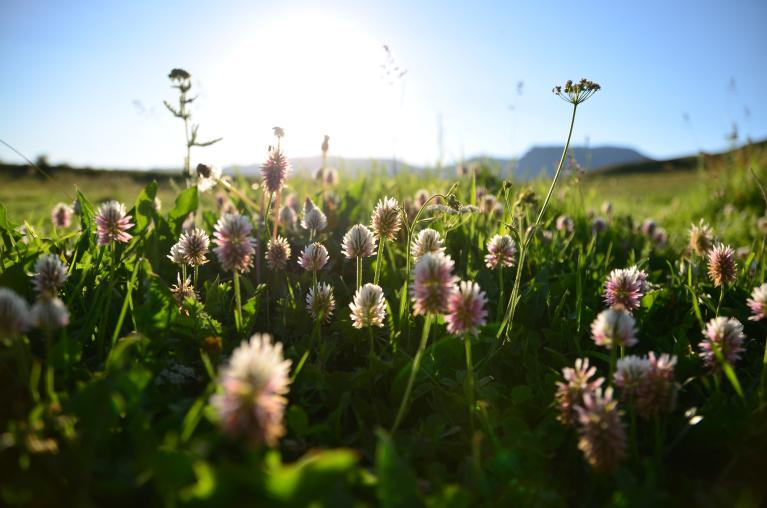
(613, 359)
(238, 299)
(49, 372)
(764, 374)
(721, 299)
(470, 379)
(500, 292)
(413, 372)
(379, 259)
(508, 320)
(359, 272)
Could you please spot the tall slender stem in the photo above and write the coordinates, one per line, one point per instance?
(506, 325)
(238, 299)
(379, 260)
(413, 371)
(359, 272)
(500, 292)
(470, 379)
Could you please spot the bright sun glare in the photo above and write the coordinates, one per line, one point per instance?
(311, 74)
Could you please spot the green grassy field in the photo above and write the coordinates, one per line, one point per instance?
(146, 393)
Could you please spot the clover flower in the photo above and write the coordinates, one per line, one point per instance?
(358, 242)
(182, 290)
(386, 221)
(614, 327)
(758, 303)
(50, 275)
(14, 314)
(112, 223)
(314, 257)
(274, 171)
(277, 253)
(288, 217)
(61, 215)
(368, 306)
(721, 265)
(501, 251)
(598, 225)
(466, 310)
(625, 288)
(433, 282)
(207, 177)
(724, 335)
(427, 240)
(49, 313)
(251, 403)
(602, 435)
(320, 301)
(658, 390)
(193, 247)
(630, 373)
(701, 238)
(234, 243)
(565, 223)
(578, 380)
(314, 220)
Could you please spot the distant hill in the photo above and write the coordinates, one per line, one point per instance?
(543, 160)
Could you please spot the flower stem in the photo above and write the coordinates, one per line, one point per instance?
(500, 292)
(470, 379)
(379, 260)
(49, 372)
(413, 371)
(238, 299)
(529, 234)
(359, 272)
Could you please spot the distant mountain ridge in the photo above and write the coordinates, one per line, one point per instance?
(537, 161)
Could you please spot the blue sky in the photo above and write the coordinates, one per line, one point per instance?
(83, 82)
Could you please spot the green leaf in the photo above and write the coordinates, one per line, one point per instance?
(521, 393)
(144, 210)
(310, 481)
(186, 203)
(298, 421)
(397, 485)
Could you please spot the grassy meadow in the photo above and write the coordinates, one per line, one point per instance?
(136, 396)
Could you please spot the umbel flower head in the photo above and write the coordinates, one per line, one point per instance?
(14, 314)
(112, 223)
(314, 219)
(61, 215)
(724, 335)
(50, 275)
(721, 265)
(614, 327)
(701, 238)
(234, 245)
(427, 240)
(602, 435)
(277, 253)
(625, 287)
(578, 380)
(368, 306)
(49, 313)
(758, 303)
(576, 93)
(274, 171)
(193, 247)
(466, 309)
(314, 257)
(251, 402)
(320, 302)
(386, 220)
(501, 251)
(433, 282)
(358, 242)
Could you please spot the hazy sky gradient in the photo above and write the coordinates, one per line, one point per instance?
(83, 82)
